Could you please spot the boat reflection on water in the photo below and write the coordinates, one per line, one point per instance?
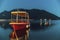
(20, 24)
(22, 35)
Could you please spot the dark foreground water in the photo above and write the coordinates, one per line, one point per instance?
(50, 33)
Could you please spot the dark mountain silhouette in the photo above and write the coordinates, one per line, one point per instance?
(5, 15)
(33, 13)
(37, 14)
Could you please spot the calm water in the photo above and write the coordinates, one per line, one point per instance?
(50, 33)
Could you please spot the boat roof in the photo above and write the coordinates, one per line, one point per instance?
(20, 13)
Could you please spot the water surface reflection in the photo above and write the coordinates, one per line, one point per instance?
(36, 33)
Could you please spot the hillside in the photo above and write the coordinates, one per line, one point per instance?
(33, 13)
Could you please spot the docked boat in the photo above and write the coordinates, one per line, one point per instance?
(19, 23)
(50, 22)
(46, 23)
(41, 22)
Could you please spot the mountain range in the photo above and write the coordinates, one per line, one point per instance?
(33, 14)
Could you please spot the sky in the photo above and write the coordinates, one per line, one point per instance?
(52, 6)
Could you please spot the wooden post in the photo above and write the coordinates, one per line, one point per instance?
(17, 18)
